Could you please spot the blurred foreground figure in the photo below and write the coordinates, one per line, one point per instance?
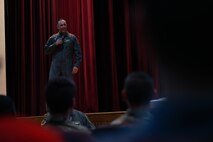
(25, 131)
(7, 107)
(17, 130)
(137, 93)
(59, 95)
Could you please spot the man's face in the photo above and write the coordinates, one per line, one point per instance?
(62, 26)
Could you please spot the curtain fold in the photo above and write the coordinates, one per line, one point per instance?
(122, 46)
(29, 24)
(110, 43)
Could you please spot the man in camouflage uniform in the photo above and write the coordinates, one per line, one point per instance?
(65, 51)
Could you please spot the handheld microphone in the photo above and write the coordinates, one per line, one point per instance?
(62, 38)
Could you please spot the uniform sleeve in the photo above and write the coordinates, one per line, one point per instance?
(77, 53)
(50, 46)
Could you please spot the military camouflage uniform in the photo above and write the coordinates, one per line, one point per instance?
(61, 123)
(75, 117)
(132, 117)
(65, 56)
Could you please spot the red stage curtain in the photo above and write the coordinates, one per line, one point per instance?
(29, 23)
(122, 46)
(111, 46)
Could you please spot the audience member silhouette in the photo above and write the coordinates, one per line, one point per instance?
(59, 94)
(137, 92)
(7, 107)
(21, 130)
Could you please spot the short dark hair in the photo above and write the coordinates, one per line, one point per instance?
(60, 19)
(59, 94)
(139, 88)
